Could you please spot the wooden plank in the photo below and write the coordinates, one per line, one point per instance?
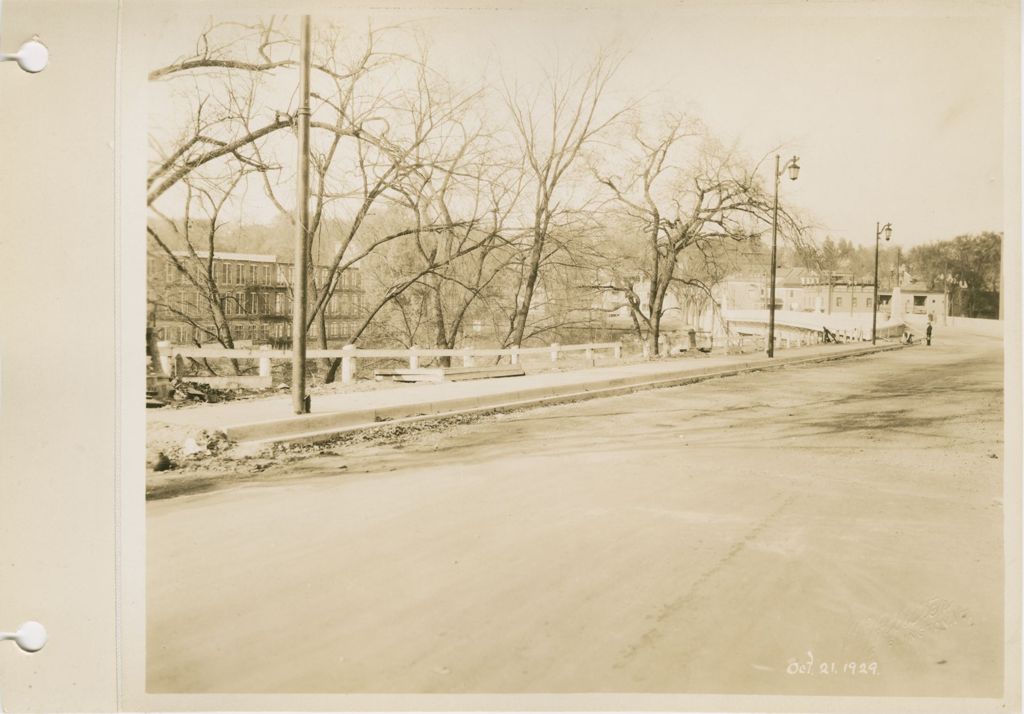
(490, 374)
(441, 374)
(222, 353)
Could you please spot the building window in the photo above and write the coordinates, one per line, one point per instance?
(853, 302)
(839, 302)
(869, 301)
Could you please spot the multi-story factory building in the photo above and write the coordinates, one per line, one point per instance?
(253, 294)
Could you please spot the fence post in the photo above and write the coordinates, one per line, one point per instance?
(467, 357)
(617, 350)
(414, 357)
(348, 364)
(554, 351)
(165, 357)
(264, 363)
(514, 355)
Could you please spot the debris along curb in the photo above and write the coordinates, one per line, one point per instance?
(313, 428)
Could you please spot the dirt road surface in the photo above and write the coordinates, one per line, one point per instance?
(713, 538)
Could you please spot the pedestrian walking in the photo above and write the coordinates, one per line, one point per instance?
(928, 335)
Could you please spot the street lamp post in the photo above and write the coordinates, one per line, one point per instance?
(880, 230)
(794, 170)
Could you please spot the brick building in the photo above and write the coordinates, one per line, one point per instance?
(254, 296)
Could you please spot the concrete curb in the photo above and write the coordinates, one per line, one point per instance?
(321, 427)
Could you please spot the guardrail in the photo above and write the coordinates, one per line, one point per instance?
(349, 354)
(798, 329)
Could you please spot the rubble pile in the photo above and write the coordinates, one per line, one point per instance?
(180, 392)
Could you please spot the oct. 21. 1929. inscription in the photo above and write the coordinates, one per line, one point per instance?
(830, 667)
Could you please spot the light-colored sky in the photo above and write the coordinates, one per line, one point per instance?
(896, 110)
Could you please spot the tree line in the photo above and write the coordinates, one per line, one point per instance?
(510, 206)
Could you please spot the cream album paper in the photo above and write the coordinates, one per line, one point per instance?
(510, 356)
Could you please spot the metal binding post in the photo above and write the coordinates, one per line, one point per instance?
(31, 57)
(31, 636)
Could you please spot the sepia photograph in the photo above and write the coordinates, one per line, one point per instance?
(561, 349)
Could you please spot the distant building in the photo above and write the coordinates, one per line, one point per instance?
(254, 296)
(918, 300)
(798, 290)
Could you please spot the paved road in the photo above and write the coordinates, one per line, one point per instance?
(708, 538)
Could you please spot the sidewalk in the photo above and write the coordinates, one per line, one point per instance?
(271, 419)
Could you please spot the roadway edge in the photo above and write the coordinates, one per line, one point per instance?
(328, 426)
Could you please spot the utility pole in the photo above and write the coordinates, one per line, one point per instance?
(301, 278)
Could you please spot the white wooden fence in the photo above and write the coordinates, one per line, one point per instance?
(349, 354)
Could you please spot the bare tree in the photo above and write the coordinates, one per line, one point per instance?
(685, 192)
(196, 298)
(552, 127)
(372, 133)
